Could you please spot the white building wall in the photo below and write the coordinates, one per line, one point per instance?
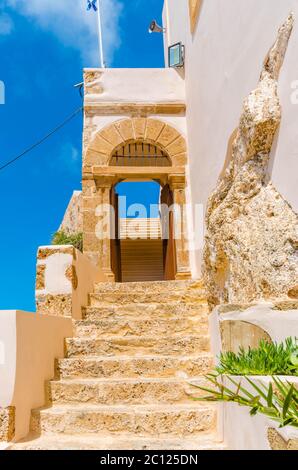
(135, 86)
(223, 62)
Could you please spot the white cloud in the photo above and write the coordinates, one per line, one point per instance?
(74, 154)
(70, 22)
(6, 24)
(67, 159)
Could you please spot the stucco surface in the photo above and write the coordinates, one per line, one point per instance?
(133, 85)
(236, 35)
(251, 249)
(31, 344)
(244, 432)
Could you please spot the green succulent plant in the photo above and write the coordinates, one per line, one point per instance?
(267, 359)
(278, 400)
(63, 238)
(294, 358)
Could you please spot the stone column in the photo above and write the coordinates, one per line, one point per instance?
(97, 222)
(177, 184)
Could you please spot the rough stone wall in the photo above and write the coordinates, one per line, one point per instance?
(73, 219)
(56, 279)
(7, 424)
(277, 442)
(251, 249)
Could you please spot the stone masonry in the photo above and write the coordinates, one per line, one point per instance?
(125, 382)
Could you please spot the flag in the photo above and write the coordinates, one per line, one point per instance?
(91, 4)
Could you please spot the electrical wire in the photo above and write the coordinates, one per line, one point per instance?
(39, 142)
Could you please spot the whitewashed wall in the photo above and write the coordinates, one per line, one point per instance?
(136, 86)
(223, 62)
(29, 345)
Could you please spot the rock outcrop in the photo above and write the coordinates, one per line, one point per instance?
(73, 218)
(251, 250)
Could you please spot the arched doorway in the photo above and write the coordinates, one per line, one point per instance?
(135, 150)
(137, 250)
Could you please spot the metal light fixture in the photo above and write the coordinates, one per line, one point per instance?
(176, 55)
(155, 28)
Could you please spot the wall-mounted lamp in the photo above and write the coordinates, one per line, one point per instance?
(155, 28)
(176, 55)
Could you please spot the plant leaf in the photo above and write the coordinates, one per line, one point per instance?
(287, 402)
(270, 395)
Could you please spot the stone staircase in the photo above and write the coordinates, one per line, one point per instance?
(124, 383)
(141, 248)
(141, 260)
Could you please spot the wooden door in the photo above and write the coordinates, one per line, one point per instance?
(115, 239)
(167, 222)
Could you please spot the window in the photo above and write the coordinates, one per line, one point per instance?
(194, 8)
(139, 153)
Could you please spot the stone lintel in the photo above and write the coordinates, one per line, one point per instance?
(106, 180)
(177, 180)
(135, 109)
(136, 172)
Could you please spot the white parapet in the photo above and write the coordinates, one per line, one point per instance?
(65, 277)
(30, 342)
(29, 345)
(276, 320)
(245, 432)
(134, 86)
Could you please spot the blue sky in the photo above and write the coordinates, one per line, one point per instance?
(44, 44)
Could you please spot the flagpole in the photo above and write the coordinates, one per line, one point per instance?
(102, 62)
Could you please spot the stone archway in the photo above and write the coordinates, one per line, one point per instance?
(99, 177)
(124, 130)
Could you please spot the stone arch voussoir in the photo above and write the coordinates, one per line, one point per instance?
(122, 131)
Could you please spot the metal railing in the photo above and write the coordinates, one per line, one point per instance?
(140, 154)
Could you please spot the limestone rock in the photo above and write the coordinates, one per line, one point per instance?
(7, 423)
(174, 345)
(92, 80)
(251, 249)
(142, 420)
(129, 372)
(125, 391)
(277, 442)
(134, 366)
(73, 219)
(122, 442)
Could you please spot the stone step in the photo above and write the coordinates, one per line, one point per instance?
(157, 420)
(122, 298)
(206, 441)
(141, 345)
(134, 367)
(141, 260)
(124, 391)
(122, 326)
(151, 286)
(155, 310)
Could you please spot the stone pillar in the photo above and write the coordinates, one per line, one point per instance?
(97, 222)
(177, 184)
